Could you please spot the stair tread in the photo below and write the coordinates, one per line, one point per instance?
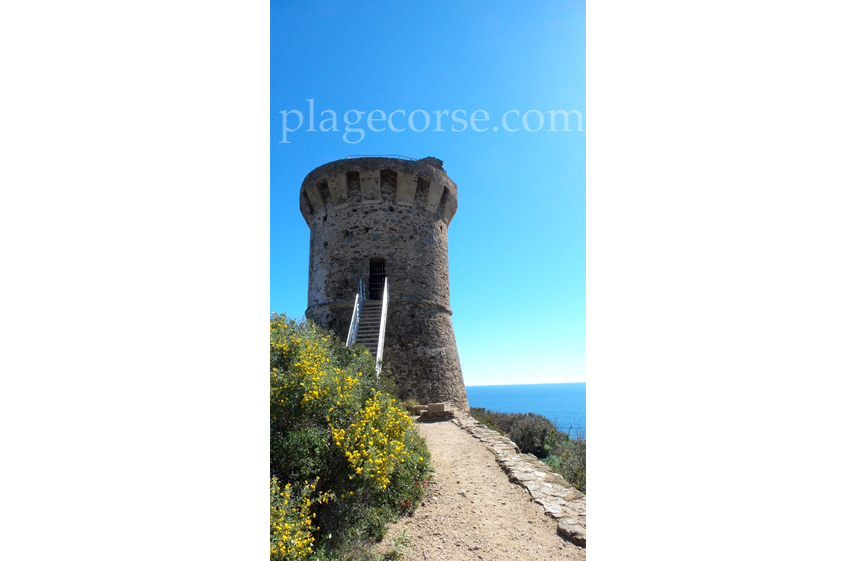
(368, 330)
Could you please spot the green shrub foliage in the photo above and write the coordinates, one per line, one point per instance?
(344, 457)
(537, 435)
(534, 434)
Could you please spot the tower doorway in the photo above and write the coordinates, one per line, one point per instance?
(376, 277)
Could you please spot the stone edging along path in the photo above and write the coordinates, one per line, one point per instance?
(558, 499)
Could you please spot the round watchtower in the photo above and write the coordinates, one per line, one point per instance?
(372, 218)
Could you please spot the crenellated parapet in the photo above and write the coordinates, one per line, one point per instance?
(420, 184)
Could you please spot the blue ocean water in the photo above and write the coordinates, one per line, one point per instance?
(563, 404)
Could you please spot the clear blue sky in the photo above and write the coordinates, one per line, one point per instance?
(517, 242)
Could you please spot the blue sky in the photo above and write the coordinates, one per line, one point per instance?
(517, 242)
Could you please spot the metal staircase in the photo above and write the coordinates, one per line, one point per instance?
(368, 323)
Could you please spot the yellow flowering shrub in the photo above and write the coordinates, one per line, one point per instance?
(290, 522)
(374, 442)
(335, 425)
(291, 529)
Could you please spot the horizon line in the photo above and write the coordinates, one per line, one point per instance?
(523, 383)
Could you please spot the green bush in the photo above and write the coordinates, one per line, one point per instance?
(572, 462)
(343, 454)
(500, 422)
(537, 435)
(534, 434)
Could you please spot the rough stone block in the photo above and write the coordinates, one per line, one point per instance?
(407, 183)
(436, 416)
(338, 189)
(370, 183)
(568, 528)
(433, 197)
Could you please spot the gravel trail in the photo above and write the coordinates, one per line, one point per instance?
(472, 511)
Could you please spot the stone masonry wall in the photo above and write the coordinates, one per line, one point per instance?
(399, 210)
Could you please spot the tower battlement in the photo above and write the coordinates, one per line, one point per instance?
(421, 183)
(376, 216)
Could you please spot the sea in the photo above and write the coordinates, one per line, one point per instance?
(563, 404)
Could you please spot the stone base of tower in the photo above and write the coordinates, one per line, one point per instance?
(335, 318)
(422, 354)
(419, 350)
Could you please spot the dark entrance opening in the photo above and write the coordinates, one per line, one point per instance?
(376, 277)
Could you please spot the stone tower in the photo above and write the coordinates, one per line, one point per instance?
(374, 217)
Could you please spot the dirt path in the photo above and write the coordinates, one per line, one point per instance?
(473, 512)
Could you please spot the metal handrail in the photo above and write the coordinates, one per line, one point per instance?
(382, 336)
(398, 156)
(354, 319)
